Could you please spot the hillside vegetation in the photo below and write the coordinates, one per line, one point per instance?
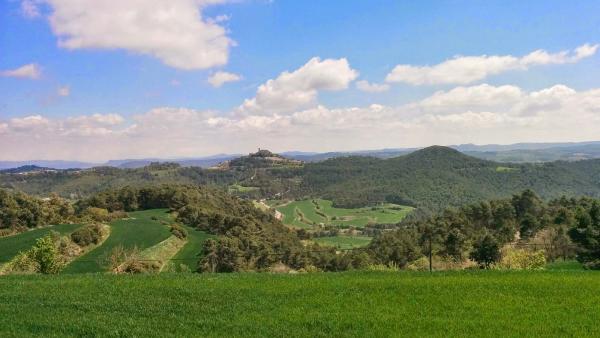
(432, 178)
(357, 304)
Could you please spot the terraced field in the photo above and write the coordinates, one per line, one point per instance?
(140, 230)
(187, 258)
(308, 213)
(12, 245)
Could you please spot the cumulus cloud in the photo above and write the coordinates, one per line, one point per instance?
(299, 89)
(173, 31)
(468, 69)
(478, 114)
(220, 78)
(28, 71)
(365, 86)
(30, 9)
(63, 91)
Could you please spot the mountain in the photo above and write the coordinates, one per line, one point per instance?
(27, 169)
(430, 178)
(514, 153)
(437, 177)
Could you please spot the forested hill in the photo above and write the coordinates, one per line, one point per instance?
(437, 177)
(431, 178)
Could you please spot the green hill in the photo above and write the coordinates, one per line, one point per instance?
(434, 178)
(437, 177)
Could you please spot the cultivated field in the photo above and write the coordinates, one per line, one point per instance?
(344, 242)
(312, 212)
(10, 246)
(139, 230)
(351, 304)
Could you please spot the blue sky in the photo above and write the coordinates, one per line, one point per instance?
(270, 37)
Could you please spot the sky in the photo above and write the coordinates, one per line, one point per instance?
(94, 80)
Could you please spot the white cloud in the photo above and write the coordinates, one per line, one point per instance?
(220, 78)
(299, 89)
(172, 31)
(28, 71)
(63, 91)
(365, 86)
(30, 9)
(477, 114)
(468, 69)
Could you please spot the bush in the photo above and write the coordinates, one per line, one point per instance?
(134, 265)
(87, 235)
(23, 263)
(178, 231)
(592, 265)
(45, 254)
(520, 259)
(421, 264)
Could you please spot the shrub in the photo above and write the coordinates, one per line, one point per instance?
(118, 255)
(87, 235)
(23, 263)
(520, 259)
(179, 231)
(421, 264)
(135, 265)
(46, 255)
(592, 265)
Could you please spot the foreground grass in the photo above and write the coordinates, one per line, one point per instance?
(139, 231)
(358, 304)
(12, 245)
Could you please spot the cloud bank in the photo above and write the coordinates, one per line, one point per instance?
(482, 114)
(468, 69)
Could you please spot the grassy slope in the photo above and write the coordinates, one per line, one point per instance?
(141, 232)
(12, 245)
(344, 242)
(189, 254)
(315, 305)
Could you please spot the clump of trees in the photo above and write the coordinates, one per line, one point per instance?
(479, 231)
(19, 211)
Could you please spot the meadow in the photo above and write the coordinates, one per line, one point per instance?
(10, 246)
(351, 304)
(143, 229)
(311, 212)
(344, 242)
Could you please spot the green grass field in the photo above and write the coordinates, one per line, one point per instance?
(352, 304)
(306, 213)
(344, 242)
(12, 245)
(560, 265)
(139, 231)
(190, 253)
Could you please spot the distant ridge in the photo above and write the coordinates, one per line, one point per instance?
(516, 153)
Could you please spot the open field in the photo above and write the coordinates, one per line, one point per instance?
(344, 242)
(187, 258)
(307, 213)
(140, 231)
(10, 246)
(358, 304)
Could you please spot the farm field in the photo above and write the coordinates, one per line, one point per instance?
(140, 231)
(10, 246)
(187, 258)
(477, 303)
(307, 213)
(344, 242)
